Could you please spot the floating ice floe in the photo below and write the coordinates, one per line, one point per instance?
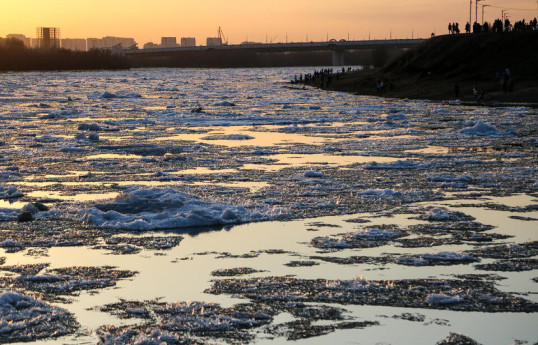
(374, 234)
(224, 104)
(314, 174)
(444, 215)
(484, 129)
(24, 318)
(327, 243)
(8, 214)
(156, 208)
(451, 178)
(443, 299)
(95, 127)
(10, 192)
(380, 193)
(358, 283)
(441, 258)
(399, 164)
(110, 95)
(48, 139)
(364, 238)
(396, 116)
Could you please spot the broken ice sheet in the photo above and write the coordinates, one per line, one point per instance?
(25, 318)
(66, 281)
(461, 295)
(152, 209)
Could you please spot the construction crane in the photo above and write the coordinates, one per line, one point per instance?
(221, 36)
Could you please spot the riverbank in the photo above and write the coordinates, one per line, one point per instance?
(433, 69)
(15, 57)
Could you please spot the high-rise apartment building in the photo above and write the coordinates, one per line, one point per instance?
(213, 41)
(110, 42)
(168, 42)
(76, 44)
(188, 42)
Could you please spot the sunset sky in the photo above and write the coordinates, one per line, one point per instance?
(247, 19)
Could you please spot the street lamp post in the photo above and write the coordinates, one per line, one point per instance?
(470, 11)
(503, 12)
(476, 10)
(483, 12)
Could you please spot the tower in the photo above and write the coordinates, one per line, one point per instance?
(48, 38)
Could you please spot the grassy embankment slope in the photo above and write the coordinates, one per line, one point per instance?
(431, 70)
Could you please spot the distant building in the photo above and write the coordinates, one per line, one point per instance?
(94, 43)
(48, 38)
(168, 42)
(213, 41)
(26, 40)
(151, 45)
(35, 43)
(76, 44)
(109, 42)
(188, 42)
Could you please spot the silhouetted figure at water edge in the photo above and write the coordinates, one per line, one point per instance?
(450, 29)
(468, 28)
(506, 81)
(380, 85)
(479, 94)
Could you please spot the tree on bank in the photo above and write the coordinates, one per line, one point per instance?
(14, 56)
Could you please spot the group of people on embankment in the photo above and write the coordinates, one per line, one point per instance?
(497, 26)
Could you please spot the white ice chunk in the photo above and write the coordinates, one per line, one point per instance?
(9, 192)
(443, 299)
(484, 129)
(373, 234)
(314, 174)
(380, 192)
(399, 164)
(156, 208)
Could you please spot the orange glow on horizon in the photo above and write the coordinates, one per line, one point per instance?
(242, 20)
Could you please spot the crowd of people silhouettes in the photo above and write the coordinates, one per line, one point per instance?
(323, 77)
(497, 26)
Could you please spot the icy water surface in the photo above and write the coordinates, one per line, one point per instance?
(225, 206)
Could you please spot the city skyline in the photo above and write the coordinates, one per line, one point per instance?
(241, 20)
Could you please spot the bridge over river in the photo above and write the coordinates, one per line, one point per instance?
(237, 52)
